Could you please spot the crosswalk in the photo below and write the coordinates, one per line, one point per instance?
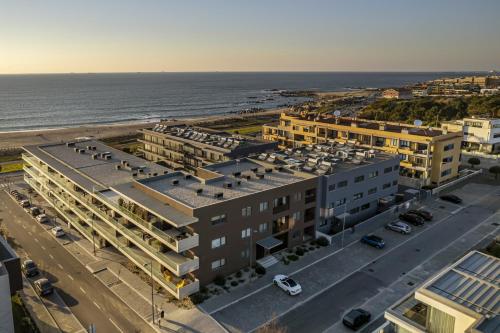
(5, 185)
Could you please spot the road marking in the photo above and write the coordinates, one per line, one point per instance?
(29, 233)
(36, 239)
(43, 248)
(24, 227)
(83, 290)
(97, 305)
(51, 256)
(71, 277)
(60, 266)
(114, 324)
(296, 305)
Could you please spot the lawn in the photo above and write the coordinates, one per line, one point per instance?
(11, 167)
(246, 130)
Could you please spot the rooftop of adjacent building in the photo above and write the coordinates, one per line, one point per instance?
(326, 159)
(219, 182)
(6, 251)
(94, 165)
(205, 136)
(471, 119)
(382, 126)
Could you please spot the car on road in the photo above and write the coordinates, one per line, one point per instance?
(356, 318)
(373, 240)
(42, 218)
(451, 198)
(399, 227)
(58, 231)
(35, 211)
(24, 203)
(289, 285)
(43, 287)
(29, 268)
(411, 218)
(426, 215)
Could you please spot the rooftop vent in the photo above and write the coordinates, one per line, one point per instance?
(279, 168)
(107, 157)
(164, 172)
(134, 174)
(76, 150)
(269, 170)
(381, 127)
(255, 169)
(70, 144)
(237, 174)
(219, 195)
(187, 176)
(260, 175)
(89, 147)
(94, 148)
(82, 151)
(238, 182)
(175, 182)
(155, 174)
(248, 177)
(118, 166)
(228, 185)
(199, 191)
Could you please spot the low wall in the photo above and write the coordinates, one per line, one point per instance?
(456, 181)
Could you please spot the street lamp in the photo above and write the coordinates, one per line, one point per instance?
(343, 223)
(252, 230)
(152, 282)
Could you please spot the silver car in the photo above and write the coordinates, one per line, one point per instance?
(399, 227)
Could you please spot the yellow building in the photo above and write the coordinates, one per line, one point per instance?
(428, 155)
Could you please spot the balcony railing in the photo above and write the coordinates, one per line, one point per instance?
(281, 208)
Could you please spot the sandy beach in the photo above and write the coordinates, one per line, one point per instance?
(15, 140)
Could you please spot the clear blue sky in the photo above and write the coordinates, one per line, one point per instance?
(251, 35)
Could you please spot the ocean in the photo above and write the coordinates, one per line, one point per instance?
(45, 101)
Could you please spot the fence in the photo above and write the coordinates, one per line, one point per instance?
(456, 181)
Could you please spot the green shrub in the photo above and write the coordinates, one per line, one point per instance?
(234, 283)
(246, 269)
(311, 248)
(293, 257)
(220, 280)
(322, 241)
(198, 298)
(260, 270)
(239, 274)
(299, 251)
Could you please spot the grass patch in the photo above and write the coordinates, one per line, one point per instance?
(11, 167)
(246, 130)
(10, 158)
(22, 320)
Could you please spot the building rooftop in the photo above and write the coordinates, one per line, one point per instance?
(325, 159)
(473, 282)
(94, 165)
(220, 182)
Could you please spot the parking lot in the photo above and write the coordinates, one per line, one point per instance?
(331, 286)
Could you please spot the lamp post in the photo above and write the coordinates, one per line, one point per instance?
(252, 230)
(343, 223)
(152, 282)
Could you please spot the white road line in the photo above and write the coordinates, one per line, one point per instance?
(83, 290)
(276, 316)
(97, 305)
(29, 233)
(115, 325)
(60, 266)
(36, 239)
(72, 279)
(43, 248)
(51, 256)
(24, 227)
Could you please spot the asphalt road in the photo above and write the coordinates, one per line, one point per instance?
(89, 300)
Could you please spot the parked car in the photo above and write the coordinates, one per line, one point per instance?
(373, 240)
(411, 218)
(289, 285)
(24, 203)
(14, 192)
(42, 218)
(422, 213)
(399, 227)
(43, 287)
(29, 268)
(35, 211)
(451, 198)
(58, 231)
(356, 318)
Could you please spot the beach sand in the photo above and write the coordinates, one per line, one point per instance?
(15, 140)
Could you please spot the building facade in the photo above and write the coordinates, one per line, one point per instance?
(428, 156)
(6, 319)
(481, 134)
(189, 228)
(181, 147)
(461, 299)
(396, 94)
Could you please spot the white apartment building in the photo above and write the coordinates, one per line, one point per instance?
(463, 298)
(481, 134)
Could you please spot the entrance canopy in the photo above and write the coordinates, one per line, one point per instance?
(269, 243)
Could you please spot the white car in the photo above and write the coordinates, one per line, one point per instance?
(287, 284)
(58, 231)
(42, 218)
(399, 227)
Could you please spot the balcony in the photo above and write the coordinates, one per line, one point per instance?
(280, 227)
(281, 208)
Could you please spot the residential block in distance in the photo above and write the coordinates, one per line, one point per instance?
(479, 134)
(428, 156)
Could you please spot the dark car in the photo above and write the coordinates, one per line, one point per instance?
(29, 268)
(43, 287)
(422, 213)
(411, 218)
(356, 318)
(373, 240)
(451, 198)
(35, 211)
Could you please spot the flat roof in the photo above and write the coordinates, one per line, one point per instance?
(223, 179)
(473, 282)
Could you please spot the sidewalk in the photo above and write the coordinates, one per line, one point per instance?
(107, 267)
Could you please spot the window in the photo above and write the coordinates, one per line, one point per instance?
(245, 253)
(263, 206)
(245, 233)
(396, 167)
(354, 210)
(323, 223)
(218, 219)
(342, 183)
(359, 179)
(262, 227)
(340, 202)
(395, 142)
(403, 157)
(448, 159)
(372, 174)
(446, 172)
(404, 143)
(357, 196)
(386, 185)
(296, 234)
(247, 211)
(387, 170)
(372, 191)
(394, 183)
(218, 242)
(296, 216)
(219, 263)
(297, 196)
(365, 206)
(497, 135)
(278, 202)
(331, 187)
(449, 147)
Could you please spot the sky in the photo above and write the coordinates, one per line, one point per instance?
(61, 36)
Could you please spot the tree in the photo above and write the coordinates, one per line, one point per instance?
(495, 170)
(473, 161)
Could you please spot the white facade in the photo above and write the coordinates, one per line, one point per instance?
(479, 133)
(6, 321)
